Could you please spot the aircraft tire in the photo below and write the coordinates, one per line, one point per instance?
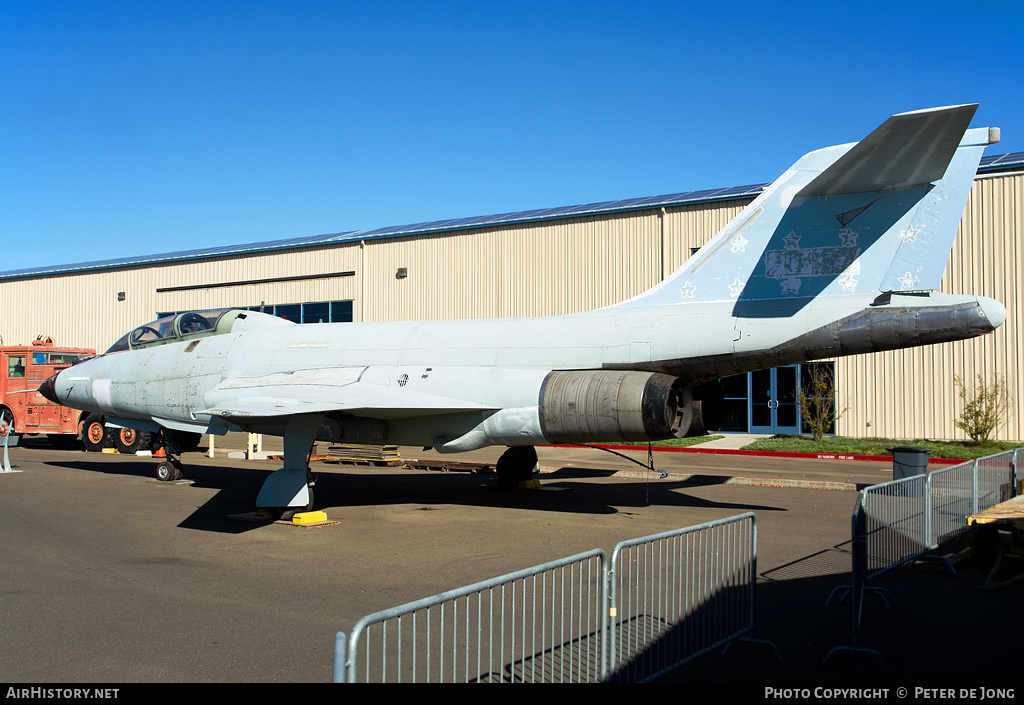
(516, 465)
(168, 472)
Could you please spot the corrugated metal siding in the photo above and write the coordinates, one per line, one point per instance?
(579, 264)
(78, 311)
(537, 269)
(448, 276)
(690, 227)
(83, 310)
(321, 263)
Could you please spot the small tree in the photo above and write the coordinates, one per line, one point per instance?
(984, 407)
(818, 401)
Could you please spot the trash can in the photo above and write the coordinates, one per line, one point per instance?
(908, 461)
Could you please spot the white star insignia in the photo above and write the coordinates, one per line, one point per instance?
(687, 290)
(908, 281)
(739, 244)
(910, 234)
(848, 282)
(736, 288)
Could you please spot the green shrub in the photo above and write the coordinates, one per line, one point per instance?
(984, 407)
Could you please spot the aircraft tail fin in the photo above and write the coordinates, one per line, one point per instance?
(875, 216)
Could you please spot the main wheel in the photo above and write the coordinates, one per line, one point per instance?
(517, 464)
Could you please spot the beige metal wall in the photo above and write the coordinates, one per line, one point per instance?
(535, 269)
(548, 268)
(83, 310)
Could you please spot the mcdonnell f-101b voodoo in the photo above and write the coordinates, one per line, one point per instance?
(841, 255)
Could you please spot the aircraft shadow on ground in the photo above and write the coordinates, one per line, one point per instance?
(565, 490)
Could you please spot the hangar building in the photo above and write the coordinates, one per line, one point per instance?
(547, 262)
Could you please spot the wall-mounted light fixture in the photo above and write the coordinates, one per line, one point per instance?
(120, 296)
(402, 273)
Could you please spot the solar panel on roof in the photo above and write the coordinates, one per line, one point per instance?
(1002, 161)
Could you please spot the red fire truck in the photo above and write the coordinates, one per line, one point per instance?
(22, 369)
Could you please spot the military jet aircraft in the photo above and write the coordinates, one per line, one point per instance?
(840, 255)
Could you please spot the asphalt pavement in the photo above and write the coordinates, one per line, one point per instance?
(112, 577)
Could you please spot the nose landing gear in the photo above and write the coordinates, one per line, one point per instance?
(170, 468)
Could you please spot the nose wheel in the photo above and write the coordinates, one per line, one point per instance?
(169, 470)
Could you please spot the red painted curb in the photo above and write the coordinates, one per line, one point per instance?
(774, 454)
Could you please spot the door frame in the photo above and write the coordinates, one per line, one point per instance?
(780, 405)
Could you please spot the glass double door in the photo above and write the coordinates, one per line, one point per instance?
(773, 400)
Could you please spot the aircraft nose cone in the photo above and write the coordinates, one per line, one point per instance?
(49, 388)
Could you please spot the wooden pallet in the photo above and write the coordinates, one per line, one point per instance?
(449, 466)
(357, 454)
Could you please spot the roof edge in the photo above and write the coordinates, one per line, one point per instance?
(989, 164)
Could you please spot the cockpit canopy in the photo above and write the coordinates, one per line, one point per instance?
(183, 326)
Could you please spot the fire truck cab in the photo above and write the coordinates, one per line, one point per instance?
(22, 369)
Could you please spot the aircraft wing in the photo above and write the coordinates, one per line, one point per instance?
(320, 391)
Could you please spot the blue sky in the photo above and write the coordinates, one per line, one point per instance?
(131, 128)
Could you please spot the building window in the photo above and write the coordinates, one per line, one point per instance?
(311, 312)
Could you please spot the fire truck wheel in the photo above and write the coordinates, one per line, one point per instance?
(94, 434)
(128, 440)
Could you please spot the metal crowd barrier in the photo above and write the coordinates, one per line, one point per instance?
(905, 520)
(538, 624)
(680, 594)
(661, 601)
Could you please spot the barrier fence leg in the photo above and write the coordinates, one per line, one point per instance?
(858, 582)
(339, 658)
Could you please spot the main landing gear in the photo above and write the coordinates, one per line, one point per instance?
(516, 466)
(290, 489)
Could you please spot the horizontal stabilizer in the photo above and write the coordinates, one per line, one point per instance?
(906, 150)
(879, 215)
